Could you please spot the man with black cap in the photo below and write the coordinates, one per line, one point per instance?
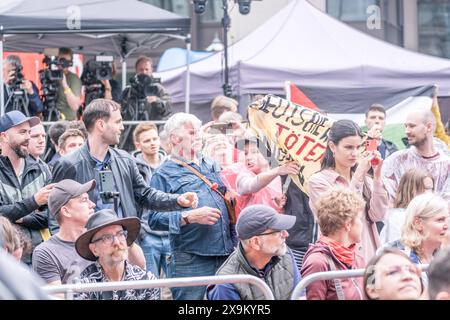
(24, 183)
(261, 252)
(56, 260)
(106, 243)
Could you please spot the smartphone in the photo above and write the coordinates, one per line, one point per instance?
(106, 180)
(222, 126)
(371, 145)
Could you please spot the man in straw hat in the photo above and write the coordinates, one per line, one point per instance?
(106, 242)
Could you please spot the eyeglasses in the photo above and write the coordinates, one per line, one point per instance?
(396, 270)
(109, 238)
(271, 232)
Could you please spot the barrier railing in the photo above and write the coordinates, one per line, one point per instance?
(127, 122)
(69, 289)
(330, 275)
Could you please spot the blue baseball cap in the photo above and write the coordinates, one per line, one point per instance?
(14, 118)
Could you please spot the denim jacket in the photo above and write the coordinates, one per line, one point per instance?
(205, 240)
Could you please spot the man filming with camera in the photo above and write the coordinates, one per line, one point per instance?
(20, 94)
(69, 92)
(145, 88)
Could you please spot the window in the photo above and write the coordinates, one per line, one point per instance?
(349, 10)
(355, 13)
(213, 12)
(434, 27)
(180, 7)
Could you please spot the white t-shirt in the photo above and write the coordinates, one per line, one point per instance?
(393, 224)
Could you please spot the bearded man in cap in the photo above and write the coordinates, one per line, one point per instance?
(106, 242)
(261, 252)
(24, 183)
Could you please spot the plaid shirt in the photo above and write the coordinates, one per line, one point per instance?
(94, 274)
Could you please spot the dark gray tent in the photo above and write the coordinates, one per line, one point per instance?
(114, 27)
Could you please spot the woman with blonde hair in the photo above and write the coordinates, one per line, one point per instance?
(425, 228)
(412, 183)
(340, 217)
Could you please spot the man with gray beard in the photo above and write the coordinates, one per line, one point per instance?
(24, 184)
(262, 252)
(419, 128)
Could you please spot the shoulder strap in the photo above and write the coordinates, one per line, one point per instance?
(197, 173)
(228, 200)
(337, 282)
(367, 195)
(193, 170)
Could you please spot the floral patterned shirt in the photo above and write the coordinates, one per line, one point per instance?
(94, 274)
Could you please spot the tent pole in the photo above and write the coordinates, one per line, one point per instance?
(124, 73)
(2, 100)
(188, 73)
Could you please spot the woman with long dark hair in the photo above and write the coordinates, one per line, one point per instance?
(345, 165)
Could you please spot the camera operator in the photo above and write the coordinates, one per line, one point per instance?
(69, 92)
(158, 101)
(98, 80)
(14, 81)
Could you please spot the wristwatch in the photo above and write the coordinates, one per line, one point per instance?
(184, 215)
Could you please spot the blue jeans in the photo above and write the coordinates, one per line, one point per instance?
(192, 265)
(156, 251)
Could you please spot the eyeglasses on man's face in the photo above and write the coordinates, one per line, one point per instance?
(109, 238)
(277, 232)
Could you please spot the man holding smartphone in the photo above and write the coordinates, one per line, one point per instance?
(375, 121)
(103, 122)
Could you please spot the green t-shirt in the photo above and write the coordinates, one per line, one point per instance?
(61, 102)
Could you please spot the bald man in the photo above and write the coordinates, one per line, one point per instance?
(419, 128)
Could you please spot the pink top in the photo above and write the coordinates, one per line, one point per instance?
(252, 192)
(320, 184)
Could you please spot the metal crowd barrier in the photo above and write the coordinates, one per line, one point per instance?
(330, 275)
(125, 123)
(69, 289)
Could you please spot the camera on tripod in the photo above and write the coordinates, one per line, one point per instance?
(94, 72)
(143, 86)
(97, 70)
(50, 77)
(17, 77)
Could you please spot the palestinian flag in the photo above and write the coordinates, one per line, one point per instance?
(353, 103)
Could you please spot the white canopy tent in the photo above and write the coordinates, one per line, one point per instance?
(309, 48)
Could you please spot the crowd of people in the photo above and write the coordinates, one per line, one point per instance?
(202, 200)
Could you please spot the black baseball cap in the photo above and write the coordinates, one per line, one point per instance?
(14, 118)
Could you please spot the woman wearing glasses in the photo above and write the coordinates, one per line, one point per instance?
(344, 165)
(339, 214)
(391, 275)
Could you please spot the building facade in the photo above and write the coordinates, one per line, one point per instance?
(418, 25)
